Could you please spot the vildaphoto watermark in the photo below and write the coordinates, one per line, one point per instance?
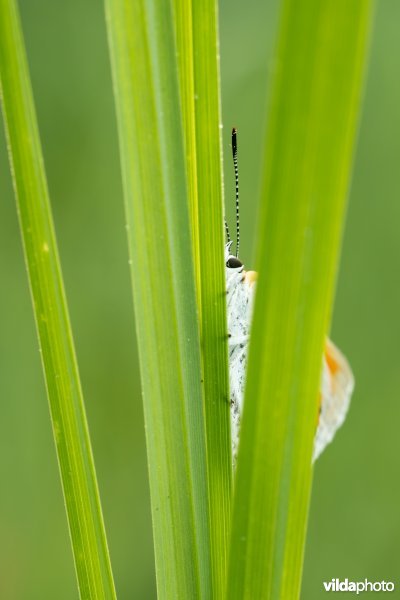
(344, 585)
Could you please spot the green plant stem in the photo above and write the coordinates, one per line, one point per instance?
(309, 150)
(196, 26)
(143, 57)
(70, 429)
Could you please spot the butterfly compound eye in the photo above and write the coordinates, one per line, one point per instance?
(233, 263)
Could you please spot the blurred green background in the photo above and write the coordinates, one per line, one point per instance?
(355, 518)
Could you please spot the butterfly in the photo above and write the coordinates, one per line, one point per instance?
(337, 381)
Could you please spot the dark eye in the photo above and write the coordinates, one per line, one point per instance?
(233, 263)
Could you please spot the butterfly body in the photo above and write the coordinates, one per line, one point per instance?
(337, 380)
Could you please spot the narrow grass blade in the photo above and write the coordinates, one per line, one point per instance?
(309, 148)
(143, 56)
(197, 40)
(183, 21)
(70, 429)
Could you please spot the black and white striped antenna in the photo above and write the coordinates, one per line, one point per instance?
(228, 237)
(235, 165)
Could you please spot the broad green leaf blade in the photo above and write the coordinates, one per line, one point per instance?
(309, 148)
(70, 429)
(142, 45)
(197, 39)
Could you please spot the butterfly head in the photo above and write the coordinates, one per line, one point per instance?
(232, 262)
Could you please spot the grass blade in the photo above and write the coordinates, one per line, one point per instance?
(142, 46)
(197, 41)
(70, 429)
(309, 148)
